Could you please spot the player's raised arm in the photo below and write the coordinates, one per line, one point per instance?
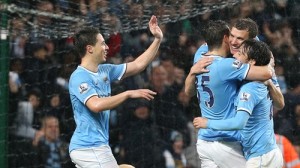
(141, 62)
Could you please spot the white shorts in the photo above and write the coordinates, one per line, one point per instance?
(220, 154)
(272, 159)
(96, 157)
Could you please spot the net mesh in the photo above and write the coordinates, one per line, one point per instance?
(115, 16)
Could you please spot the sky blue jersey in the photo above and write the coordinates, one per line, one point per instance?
(201, 50)
(216, 91)
(258, 135)
(92, 129)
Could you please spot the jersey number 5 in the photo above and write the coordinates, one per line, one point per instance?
(211, 100)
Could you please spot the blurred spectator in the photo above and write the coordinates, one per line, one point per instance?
(25, 130)
(168, 116)
(134, 43)
(282, 43)
(18, 47)
(17, 39)
(16, 87)
(285, 122)
(174, 154)
(290, 155)
(69, 62)
(28, 116)
(181, 51)
(52, 152)
(279, 71)
(140, 144)
(39, 72)
(193, 161)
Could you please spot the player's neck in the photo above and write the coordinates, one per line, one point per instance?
(217, 53)
(89, 65)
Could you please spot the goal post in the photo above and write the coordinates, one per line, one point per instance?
(4, 85)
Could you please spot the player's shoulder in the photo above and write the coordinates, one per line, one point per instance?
(109, 67)
(229, 62)
(254, 87)
(201, 50)
(79, 73)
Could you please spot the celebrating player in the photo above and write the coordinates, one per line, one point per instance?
(254, 113)
(216, 91)
(242, 30)
(90, 93)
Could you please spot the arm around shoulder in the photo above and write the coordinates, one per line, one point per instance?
(260, 73)
(276, 95)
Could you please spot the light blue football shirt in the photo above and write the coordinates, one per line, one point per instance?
(92, 129)
(258, 135)
(201, 50)
(216, 91)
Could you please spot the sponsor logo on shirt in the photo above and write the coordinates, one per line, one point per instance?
(245, 96)
(83, 88)
(237, 64)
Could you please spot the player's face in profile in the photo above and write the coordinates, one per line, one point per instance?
(101, 48)
(241, 55)
(236, 38)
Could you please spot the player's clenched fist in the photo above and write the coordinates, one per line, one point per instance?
(200, 122)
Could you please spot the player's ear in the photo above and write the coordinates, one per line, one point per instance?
(89, 49)
(252, 62)
(226, 39)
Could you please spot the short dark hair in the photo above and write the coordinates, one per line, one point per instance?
(258, 51)
(214, 32)
(84, 37)
(248, 25)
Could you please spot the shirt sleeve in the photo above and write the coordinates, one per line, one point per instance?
(233, 69)
(115, 71)
(236, 123)
(82, 86)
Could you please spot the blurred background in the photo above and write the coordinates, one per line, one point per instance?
(37, 58)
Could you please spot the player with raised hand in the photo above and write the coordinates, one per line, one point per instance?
(90, 93)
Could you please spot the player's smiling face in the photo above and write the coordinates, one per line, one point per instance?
(236, 38)
(101, 49)
(241, 55)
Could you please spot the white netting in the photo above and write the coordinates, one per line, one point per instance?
(62, 20)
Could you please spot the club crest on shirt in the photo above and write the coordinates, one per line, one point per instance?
(245, 96)
(83, 88)
(237, 64)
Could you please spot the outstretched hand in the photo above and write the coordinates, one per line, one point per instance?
(200, 122)
(142, 93)
(154, 28)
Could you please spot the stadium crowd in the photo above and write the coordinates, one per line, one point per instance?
(145, 134)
